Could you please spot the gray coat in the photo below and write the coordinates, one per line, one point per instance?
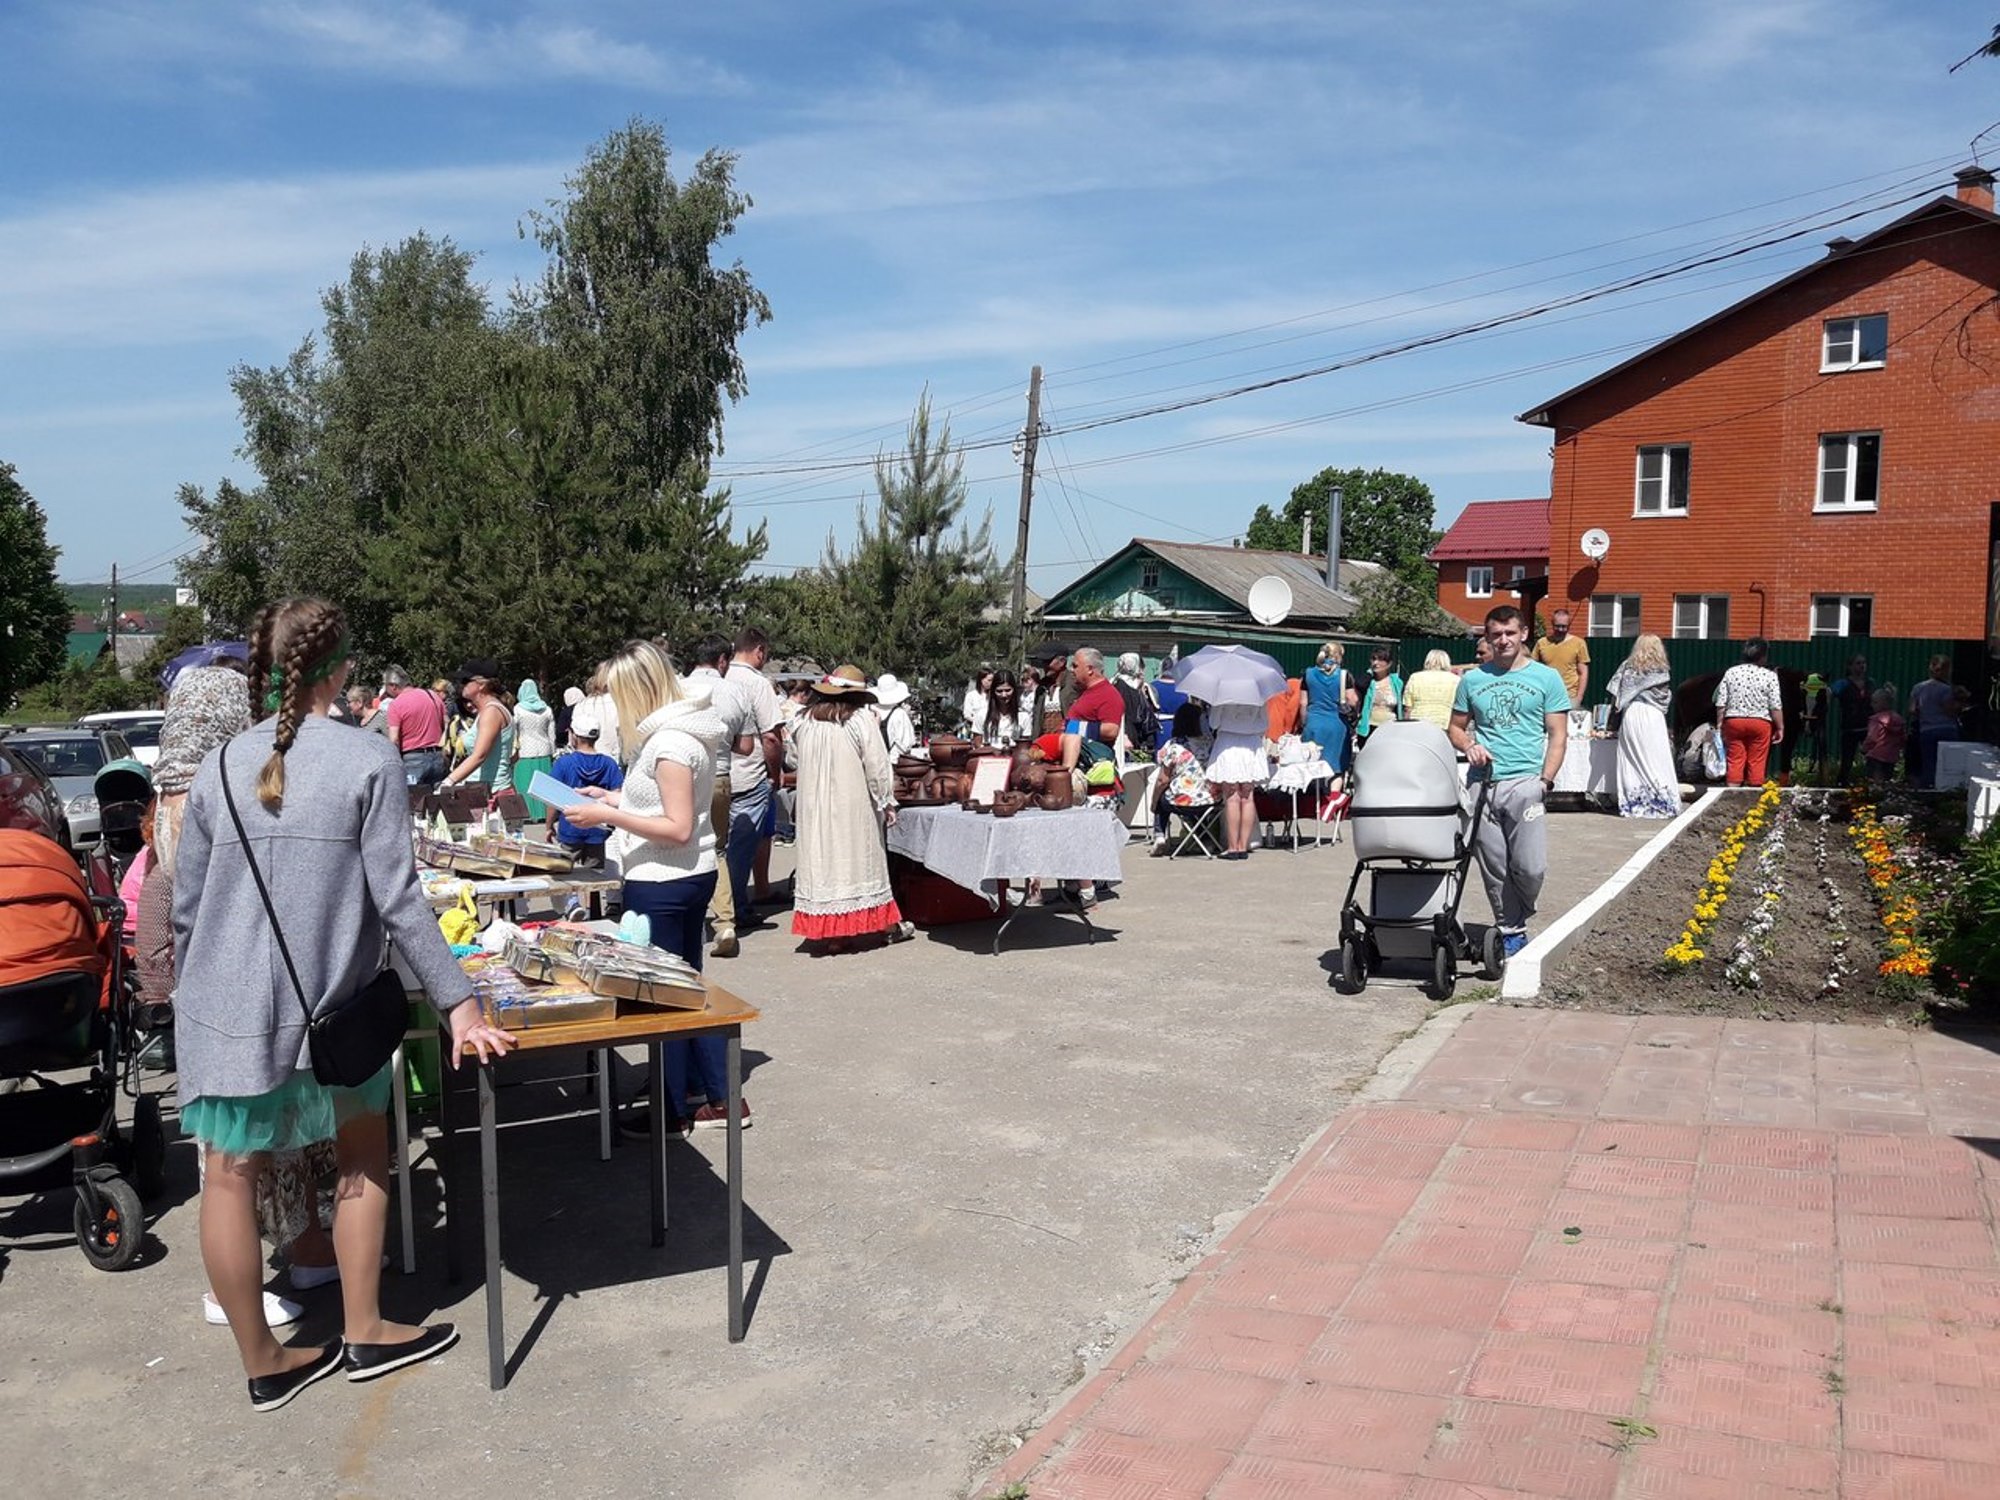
(338, 861)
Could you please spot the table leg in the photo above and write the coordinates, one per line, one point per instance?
(399, 1089)
(604, 1104)
(656, 1167)
(453, 1159)
(735, 1154)
(489, 1187)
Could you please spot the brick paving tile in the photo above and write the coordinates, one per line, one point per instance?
(1883, 1072)
(1775, 1231)
(1586, 1028)
(1872, 1098)
(1473, 1064)
(1520, 1133)
(1209, 1408)
(1836, 1039)
(1549, 1096)
(1284, 1283)
(1979, 1132)
(1756, 1401)
(1630, 1176)
(1440, 1246)
(1689, 1078)
(1970, 1090)
(1487, 1165)
(1897, 1476)
(1616, 1216)
(1402, 1123)
(1392, 1357)
(1427, 1299)
(1779, 1085)
(1923, 1421)
(1738, 1107)
(1702, 1033)
(1467, 1094)
(1925, 1292)
(1254, 1478)
(1379, 1156)
(1355, 1192)
(1626, 1100)
(1754, 1276)
(1324, 1236)
(1917, 1242)
(1911, 1123)
(1764, 1187)
(1562, 1372)
(1498, 1205)
(1791, 1338)
(1901, 1153)
(1114, 1466)
(1626, 1139)
(1764, 1039)
(1248, 1340)
(1686, 1464)
(1763, 1146)
(1599, 1261)
(1363, 1429)
(1497, 1025)
(1573, 1310)
(1913, 1195)
(1565, 1455)
(1916, 1349)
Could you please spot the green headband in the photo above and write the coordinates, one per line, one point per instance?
(319, 673)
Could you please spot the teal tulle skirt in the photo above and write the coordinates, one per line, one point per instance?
(291, 1116)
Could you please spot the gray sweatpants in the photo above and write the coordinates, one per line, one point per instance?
(1513, 850)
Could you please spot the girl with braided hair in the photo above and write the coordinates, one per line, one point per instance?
(325, 815)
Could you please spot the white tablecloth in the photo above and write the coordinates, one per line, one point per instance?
(982, 852)
(1296, 778)
(1589, 766)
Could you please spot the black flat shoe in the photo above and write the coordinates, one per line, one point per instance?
(269, 1392)
(372, 1361)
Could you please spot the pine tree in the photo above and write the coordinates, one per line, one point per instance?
(34, 612)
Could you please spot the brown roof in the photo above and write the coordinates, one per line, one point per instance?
(1542, 415)
(1231, 570)
(1492, 530)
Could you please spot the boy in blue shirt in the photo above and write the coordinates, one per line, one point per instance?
(579, 767)
(1511, 720)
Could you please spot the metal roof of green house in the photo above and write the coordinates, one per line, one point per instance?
(87, 645)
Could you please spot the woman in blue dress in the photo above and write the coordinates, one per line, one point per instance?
(1327, 687)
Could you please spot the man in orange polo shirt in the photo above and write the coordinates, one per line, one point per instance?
(1567, 654)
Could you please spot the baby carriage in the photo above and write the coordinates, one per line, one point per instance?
(64, 1010)
(1413, 839)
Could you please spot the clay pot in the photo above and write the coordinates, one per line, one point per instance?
(947, 786)
(1058, 794)
(1006, 804)
(912, 767)
(1031, 778)
(949, 751)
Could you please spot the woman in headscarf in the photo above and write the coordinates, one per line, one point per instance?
(1328, 690)
(1142, 709)
(846, 797)
(1642, 692)
(534, 743)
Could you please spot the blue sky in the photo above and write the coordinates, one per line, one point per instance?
(1153, 200)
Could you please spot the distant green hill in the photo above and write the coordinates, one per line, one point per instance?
(88, 598)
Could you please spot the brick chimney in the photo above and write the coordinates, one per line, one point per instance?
(1975, 186)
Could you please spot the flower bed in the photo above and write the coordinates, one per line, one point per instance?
(1784, 907)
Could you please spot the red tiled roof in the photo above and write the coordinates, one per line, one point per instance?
(1496, 531)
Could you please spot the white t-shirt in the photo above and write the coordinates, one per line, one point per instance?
(748, 772)
(728, 702)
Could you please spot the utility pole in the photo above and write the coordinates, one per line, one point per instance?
(1030, 437)
(111, 610)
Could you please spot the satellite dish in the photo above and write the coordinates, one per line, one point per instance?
(1270, 599)
(1596, 542)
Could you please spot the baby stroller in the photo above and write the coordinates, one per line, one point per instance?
(1413, 838)
(64, 1009)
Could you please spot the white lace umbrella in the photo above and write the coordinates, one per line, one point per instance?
(1229, 674)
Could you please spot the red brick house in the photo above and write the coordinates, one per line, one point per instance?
(1820, 459)
(1493, 545)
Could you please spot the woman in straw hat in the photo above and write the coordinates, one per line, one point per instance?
(846, 795)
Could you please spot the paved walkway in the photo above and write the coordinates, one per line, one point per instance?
(1587, 1256)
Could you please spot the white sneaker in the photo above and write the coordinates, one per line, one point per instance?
(311, 1278)
(278, 1311)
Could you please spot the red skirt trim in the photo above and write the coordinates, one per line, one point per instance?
(846, 924)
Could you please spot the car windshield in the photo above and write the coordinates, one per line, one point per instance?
(80, 756)
(141, 734)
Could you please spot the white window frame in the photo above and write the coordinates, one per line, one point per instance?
(1149, 574)
(1479, 581)
(1848, 446)
(1670, 454)
(1844, 603)
(1625, 612)
(1850, 327)
(1520, 571)
(1707, 627)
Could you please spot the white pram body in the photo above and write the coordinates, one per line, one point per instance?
(1408, 801)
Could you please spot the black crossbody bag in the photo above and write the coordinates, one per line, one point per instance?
(350, 1038)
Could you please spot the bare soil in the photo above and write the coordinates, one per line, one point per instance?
(1618, 967)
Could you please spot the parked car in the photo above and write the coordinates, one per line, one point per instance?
(71, 758)
(28, 799)
(140, 726)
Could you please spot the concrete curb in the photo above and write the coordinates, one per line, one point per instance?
(1410, 1056)
(1523, 980)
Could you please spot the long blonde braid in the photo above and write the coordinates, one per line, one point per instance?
(291, 639)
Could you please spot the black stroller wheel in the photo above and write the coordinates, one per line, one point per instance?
(112, 1238)
(1353, 976)
(1493, 956)
(149, 1147)
(1444, 971)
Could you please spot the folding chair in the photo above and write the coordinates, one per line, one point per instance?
(1198, 821)
(1333, 809)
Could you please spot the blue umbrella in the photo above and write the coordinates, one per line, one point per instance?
(1229, 674)
(208, 654)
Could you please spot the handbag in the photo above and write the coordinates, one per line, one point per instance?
(1350, 713)
(350, 1039)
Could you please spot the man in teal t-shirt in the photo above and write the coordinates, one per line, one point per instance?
(1511, 720)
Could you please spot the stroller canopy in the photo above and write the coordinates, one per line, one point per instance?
(47, 924)
(1407, 796)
